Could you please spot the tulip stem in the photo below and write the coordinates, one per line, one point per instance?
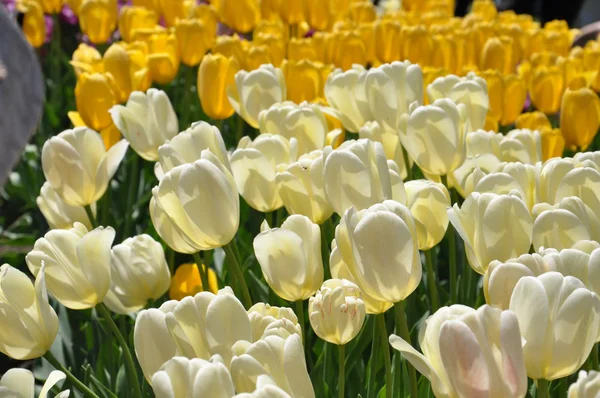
(409, 175)
(595, 357)
(300, 315)
(203, 271)
(341, 369)
(129, 364)
(452, 249)
(90, 214)
(239, 133)
(237, 272)
(435, 304)
(543, 388)
(373, 365)
(404, 331)
(74, 380)
(134, 177)
(386, 354)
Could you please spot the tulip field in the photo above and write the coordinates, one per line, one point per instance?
(302, 198)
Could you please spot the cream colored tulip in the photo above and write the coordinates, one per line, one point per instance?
(29, 323)
(379, 245)
(305, 122)
(264, 318)
(467, 351)
(290, 257)
(507, 177)
(57, 213)
(582, 182)
(346, 94)
(256, 91)
(146, 121)
(78, 167)
(586, 386)
(559, 320)
(356, 175)
(428, 201)
(187, 146)
(434, 135)
(466, 176)
(139, 272)
(265, 388)
(470, 90)
(20, 383)
(523, 146)
(398, 190)
(481, 142)
(593, 157)
(336, 311)
(390, 140)
(189, 217)
(254, 165)
(302, 187)
(77, 264)
(552, 173)
(493, 227)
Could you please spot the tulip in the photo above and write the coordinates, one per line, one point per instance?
(481, 142)
(523, 146)
(95, 94)
(269, 10)
(387, 275)
(275, 46)
(464, 178)
(74, 258)
(361, 12)
(78, 167)
(427, 201)
(187, 281)
(215, 74)
(492, 340)
(553, 143)
(349, 50)
(173, 10)
(546, 89)
(446, 56)
(153, 5)
(146, 121)
(57, 213)
(493, 227)
(290, 257)
(255, 56)
(434, 135)
(348, 168)
(417, 44)
(551, 176)
(139, 272)
(317, 14)
(581, 182)
(194, 40)
(586, 386)
(533, 121)
(86, 59)
(256, 91)
(229, 46)
(187, 147)
(128, 67)
(132, 18)
(499, 54)
(303, 79)
(291, 12)
(34, 23)
(302, 49)
(163, 60)
(366, 31)
(241, 16)
(265, 318)
(505, 178)
(203, 221)
(98, 19)
(579, 117)
(507, 96)
(29, 323)
(390, 141)
(559, 320)
(18, 382)
(346, 93)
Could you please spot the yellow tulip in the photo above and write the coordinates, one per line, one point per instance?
(350, 50)
(465, 50)
(303, 79)
(498, 54)
(187, 282)
(163, 59)
(230, 46)
(128, 75)
(429, 75)
(74, 5)
(95, 94)
(207, 14)
(171, 10)
(553, 143)
(140, 73)
(546, 88)
(274, 27)
(132, 18)
(324, 43)
(193, 39)
(275, 46)
(299, 49)
(51, 6)
(291, 11)
(363, 12)
(484, 8)
(445, 55)
(148, 4)
(388, 44)
(269, 9)
(558, 41)
(318, 15)
(240, 15)
(215, 74)
(34, 23)
(543, 58)
(417, 44)
(533, 121)
(86, 59)
(579, 117)
(257, 56)
(98, 19)
(515, 95)
(573, 70)
(367, 33)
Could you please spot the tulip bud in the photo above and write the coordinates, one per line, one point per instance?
(241, 16)
(275, 46)
(18, 382)
(256, 91)
(558, 317)
(493, 227)
(78, 167)
(507, 96)
(533, 121)
(349, 50)
(95, 94)
(302, 49)
(139, 272)
(132, 18)
(336, 311)
(29, 322)
(546, 89)
(387, 40)
(86, 59)
(317, 15)
(147, 121)
(187, 147)
(473, 169)
(369, 166)
(129, 69)
(204, 220)
(264, 318)
(57, 213)
(187, 281)
(305, 80)
(98, 19)
(579, 117)
(193, 39)
(290, 258)
(523, 146)
(427, 201)
(492, 340)
(75, 257)
(163, 60)
(505, 178)
(34, 23)
(255, 56)
(586, 386)
(346, 93)
(230, 46)
(215, 74)
(390, 141)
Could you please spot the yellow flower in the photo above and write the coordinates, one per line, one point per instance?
(545, 88)
(193, 39)
(163, 60)
(172, 10)
(445, 55)
(129, 72)
(299, 49)
(484, 8)
(95, 94)
(52, 6)
(533, 121)
(240, 15)
(303, 79)
(74, 5)
(207, 14)
(110, 136)
(275, 46)
(34, 24)
(498, 54)
(349, 50)
(553, 143)
(98, 19)
(388, 45)
(148, 4)
(257, 56)
(133, 18)
(292, 11)
(215, 73)
(507, 97)
(230, 46)
(269, 9)
(363, 12)
(417, 44)
(275, 27)
(318, 15)
(579, 117)
(366, 32)
(465, 50)
(187, 282)
(86, 59)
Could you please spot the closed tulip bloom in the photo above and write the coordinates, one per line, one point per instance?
(533, 121)
(356, 175)
(164, 57)
(57, 213)
(581, 182)
(194, 40)
(417, 44)
(203, 221)
(559, 320)
(77, 264)
(146, 121)
(300, 49)
(586, 386)
(207, 14)
(546, 89)
(269, 10)
(481, 142)
(291, 12)
(98, 19)
(129, 69)
(493, 227)
(256, 91)
(467, 351)
(95, 94)
(505, 178)
(427, 201)
(390, 141)
(139, 272)
(34, 23)
(508, 97)
(499, 54)
(215, 74)
(18, 382)
(241, 16)
(349, 50)
(29, 323)
(361, 12)
(471, 171)
(303, 79)
(153, 5)
(523, 146)
(553, 143)
(132, 18)
(229, 46)
(86, 59)
(579, 117)
(264, 317)
(187, 282)
(78, 167)
(255, 56)
(172, 10)
(275, 46)
(317, 15)
(336, 311)
(387, 40)
(346, 93)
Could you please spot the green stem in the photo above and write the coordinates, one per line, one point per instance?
(543, 387)
(171, 260)
(373, 365)
(409, 175)
(325, 249)
(300, 315)
(383, 335)
(134, 177)
(239, 132)
(236, 270)
(74, 380)
(452, 249)
(90, 214)
(189, 81)
(404, 332)
(595, 357)
(203, 271)
(341, 369)
(129, 364)
(435, 304)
